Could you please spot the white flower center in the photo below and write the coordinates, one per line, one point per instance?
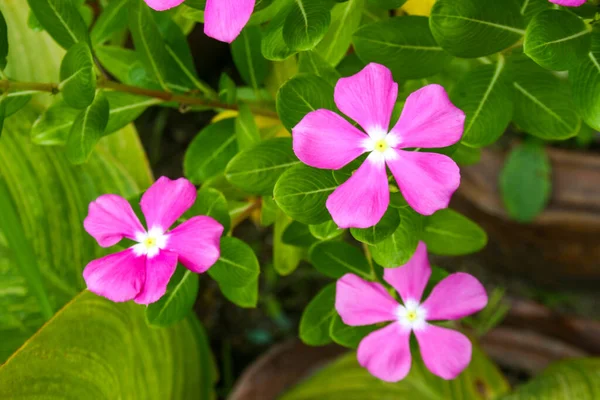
(150, 243)
(411, 315)
(380, 144)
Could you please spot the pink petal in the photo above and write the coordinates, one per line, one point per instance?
(165, 201)
(118, 277)
(325, 140)
(385, 353)
(361, 201)
(456, 296)
(446, 353)
(569, 3)
(110, 218)
(159, 270)
(197, 243)
(360, 302)
(368, 97)
(426, 180)
(161, 5)
(411, 278)
(429, 120)
(225, 19)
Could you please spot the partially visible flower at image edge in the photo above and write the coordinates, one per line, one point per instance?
(142, 272)
(223, 19)
(324, 139)
(386, 352)
(568, 3)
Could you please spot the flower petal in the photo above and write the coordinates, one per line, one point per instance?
(225, 19)
(159, 270)
(445, 352)
(411, 278)
(325, 140)
(360, 302)
(385, 353)
(569, 3)
(197, 243)
(165, 201)
(118, 277)
(368, 98)
(456, 296)
(426, 180)
(110, 218)
(428, 120)
(161, 5)
(361, 201)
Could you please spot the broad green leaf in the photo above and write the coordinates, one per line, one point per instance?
(485, 95)
(94, 348)
(386, 4)
(380, 231)
(113, 18)
(256, 170)
(301, 192)
(585, 82)
(178, 301)
(469, 29)
(14, 101)
(311, 62)
(398, 248)
(530, 8)
(125, 108)
(212, 203)
(268, 211)
(335, 259)
(210, 151)
(120, 62)
(316, 318)
(306, 24)
(246, 52)
(557, 40)
(246, 129)
(449, 233)
(54, 125)
(61, 19)
(285, 257)
(297, 234)
(273, 47)
(227, 89)
(237, 265)
(403, 44)
(78, 79)
(326, 231)
(2, 112)
(3, 42)
(345, 19)
(525, 181)
(88, 128)
(348, 336)
(244, 296)
(300, 95)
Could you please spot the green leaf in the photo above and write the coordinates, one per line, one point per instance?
(469, 29)
(113, 18)
(326, 231)
(335, 259)
(246, 129)
(268, 211)
(530, 8)
(485, 95)
(62, 20)
(348, 336)
(125, 108)
(386, 4)
(404, 44)
(256, 170)
(585, 81)
(525, 181)
(212, 203)
(244, 296)
(345, 19)
(557, 40)
(227, 89)
(3, 42)
(311, 62)
(316, 318)
(273, 47)
(178, 301)
(449, 233)
(297, 234)
(15, 101)
(237, 265)
(306, 24)
(285, 257)
(301, 192)
(246, 52)
(78, 79)
(398, 248)
(2, 112)
(130, 360)
(380, 231)
(210, 151)
(87, 129)
(300, 95)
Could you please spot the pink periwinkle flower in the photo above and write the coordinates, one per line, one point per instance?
(568, 3)
(223, 19)
(324, 139)
(142, 272)
(385, 353)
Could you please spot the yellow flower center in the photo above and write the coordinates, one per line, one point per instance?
(381, 145)
(150, 242)
(411, 315)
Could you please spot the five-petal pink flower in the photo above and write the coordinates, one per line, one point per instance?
(386, 352)
(568, 3)
(142, 272)
(223, 19)
(324, 139)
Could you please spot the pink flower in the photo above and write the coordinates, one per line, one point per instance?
(142, 272)
(386, 352)
(568, 3)
(324, 139)
(223, 19)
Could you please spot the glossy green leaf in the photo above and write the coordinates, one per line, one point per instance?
(125, 108)
(335, 259)
(300, 95)
(585, 82)
(88, 128)
(286, 258)
(113, 18)
(557, 40)
(380, 231)
(248, 58)
(273, 47)
(326, 231)
(398, 248)
(298, 234)
(468, 28)
(244, 296)
(246, 129)
(237, 265)
(348, 336)
(61, 19)
(2, 112)
(227, 89)
(54, 125)
(268, 211)
(530, 8)
(345, 19)
(306, 24)
(178, 301)
(212, 203)
(311, 62)
(78, 79)
(316, 318)
(3, 42)
(403, 44)
(386, 4)
(14, 101)
(449, 233)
